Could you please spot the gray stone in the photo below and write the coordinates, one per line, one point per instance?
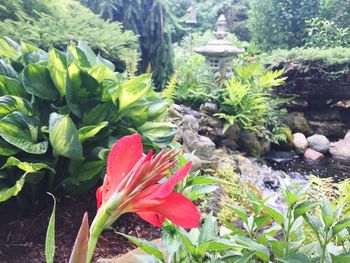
(249, 143)
(196, 162)
(229, 143)
(318, 143)
(313, 155)
(265, 145)
(232, 132)
(331, 129)
(300, 142)
(209, 108)
(214, 122)
(347, 135)
(341, 149)
(297, 122)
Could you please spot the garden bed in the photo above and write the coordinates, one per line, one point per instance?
(22, 239)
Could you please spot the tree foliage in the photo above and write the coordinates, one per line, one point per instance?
(280, 23)
(55, 23)
(153, 21)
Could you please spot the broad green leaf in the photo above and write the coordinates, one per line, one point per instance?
(278, 247)
(241, 212)
(290, 197)
(50, 236)
(101, 73)
(295, 258)
(82, 88)
(274, 214)
(200, 180)
(9, 48)
(102, 61)
(198, 191)
(259, 250)
(37, 81)
(209, 230)
(9, 104)
(341, 259)
(64, 137)
(170, 241)
(25, 166)
(58, 70)
(82, 172)
(327, 212)
(90, 131)
(21, 131)
(160, 134)
(88, 52)
(38, 57)
(186, 241)
(132, 90)
(10, 86)
(7, 149)
(7, 70)
(146, 246)
(77, 56)
(7, 193)
(98, 114)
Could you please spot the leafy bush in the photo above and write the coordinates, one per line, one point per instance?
(323, 33)
(264, 234)
(61, 112)
(280, 23)
(55, 23)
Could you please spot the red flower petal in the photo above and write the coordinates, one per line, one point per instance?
(179, 210)
(125, 153)
(152, 218)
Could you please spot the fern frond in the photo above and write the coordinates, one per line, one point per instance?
(169, 92)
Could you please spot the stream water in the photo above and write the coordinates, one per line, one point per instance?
(291, 164)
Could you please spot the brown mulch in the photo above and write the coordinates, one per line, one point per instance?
(22, 239)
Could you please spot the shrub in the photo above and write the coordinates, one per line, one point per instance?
(280, 24)
(55, 23)
(61, 112)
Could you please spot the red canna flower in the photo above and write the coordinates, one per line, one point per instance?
(133, 183)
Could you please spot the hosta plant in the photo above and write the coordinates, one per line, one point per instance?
(60, 112)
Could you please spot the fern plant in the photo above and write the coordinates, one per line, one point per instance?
(168, 93)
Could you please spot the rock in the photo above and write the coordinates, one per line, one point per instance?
(196, 162)
(300, 142)
(318, 143)
(330, 129)
(209, 108)
(202, 146)
(214, 122)
(347, 135)
(341, 149)
(313, 155)
(281, 156)
(229, 143)
(249, 143)
(265, 145)
(232, 132)
(324, 115)
(297, 122)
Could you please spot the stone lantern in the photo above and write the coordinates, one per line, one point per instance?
(220, 52)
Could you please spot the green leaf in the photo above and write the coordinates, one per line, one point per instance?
(341, 259)
(7, 70)
(88, 52)
(146, 246)
(64, 137)
(274, 214)
(7, 193)
(198, 191)
(327, 212)
(25, 166)
(186, 241)
(259, 250)
(80, 248)
(77, 56)
(50, 235)
(37, 81)
(341, 225)
(81, 89)
(9, 48)
(98, 114)
(21, 131)
(241, 212)
(209, 230)
(90, 131)
(82, 172)
(10, 86)
(295, 258)
(102, 61)
(7, 149)
(160, 134)
(303, 208)
(202, 180)
(9, 104)
(57, 67)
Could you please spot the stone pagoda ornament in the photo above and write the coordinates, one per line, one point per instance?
(220, 52)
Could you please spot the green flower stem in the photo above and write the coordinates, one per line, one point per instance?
(100, 220)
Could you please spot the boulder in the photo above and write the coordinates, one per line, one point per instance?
(297, 122)
(232, 132)
(318, 143)
(209, 108)
(330, 129)
(196, 162)
(341, 149)
(249, 143)
(347, 135)
(313, 155)
(265, 144)
(300, 142)
(229, 143)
